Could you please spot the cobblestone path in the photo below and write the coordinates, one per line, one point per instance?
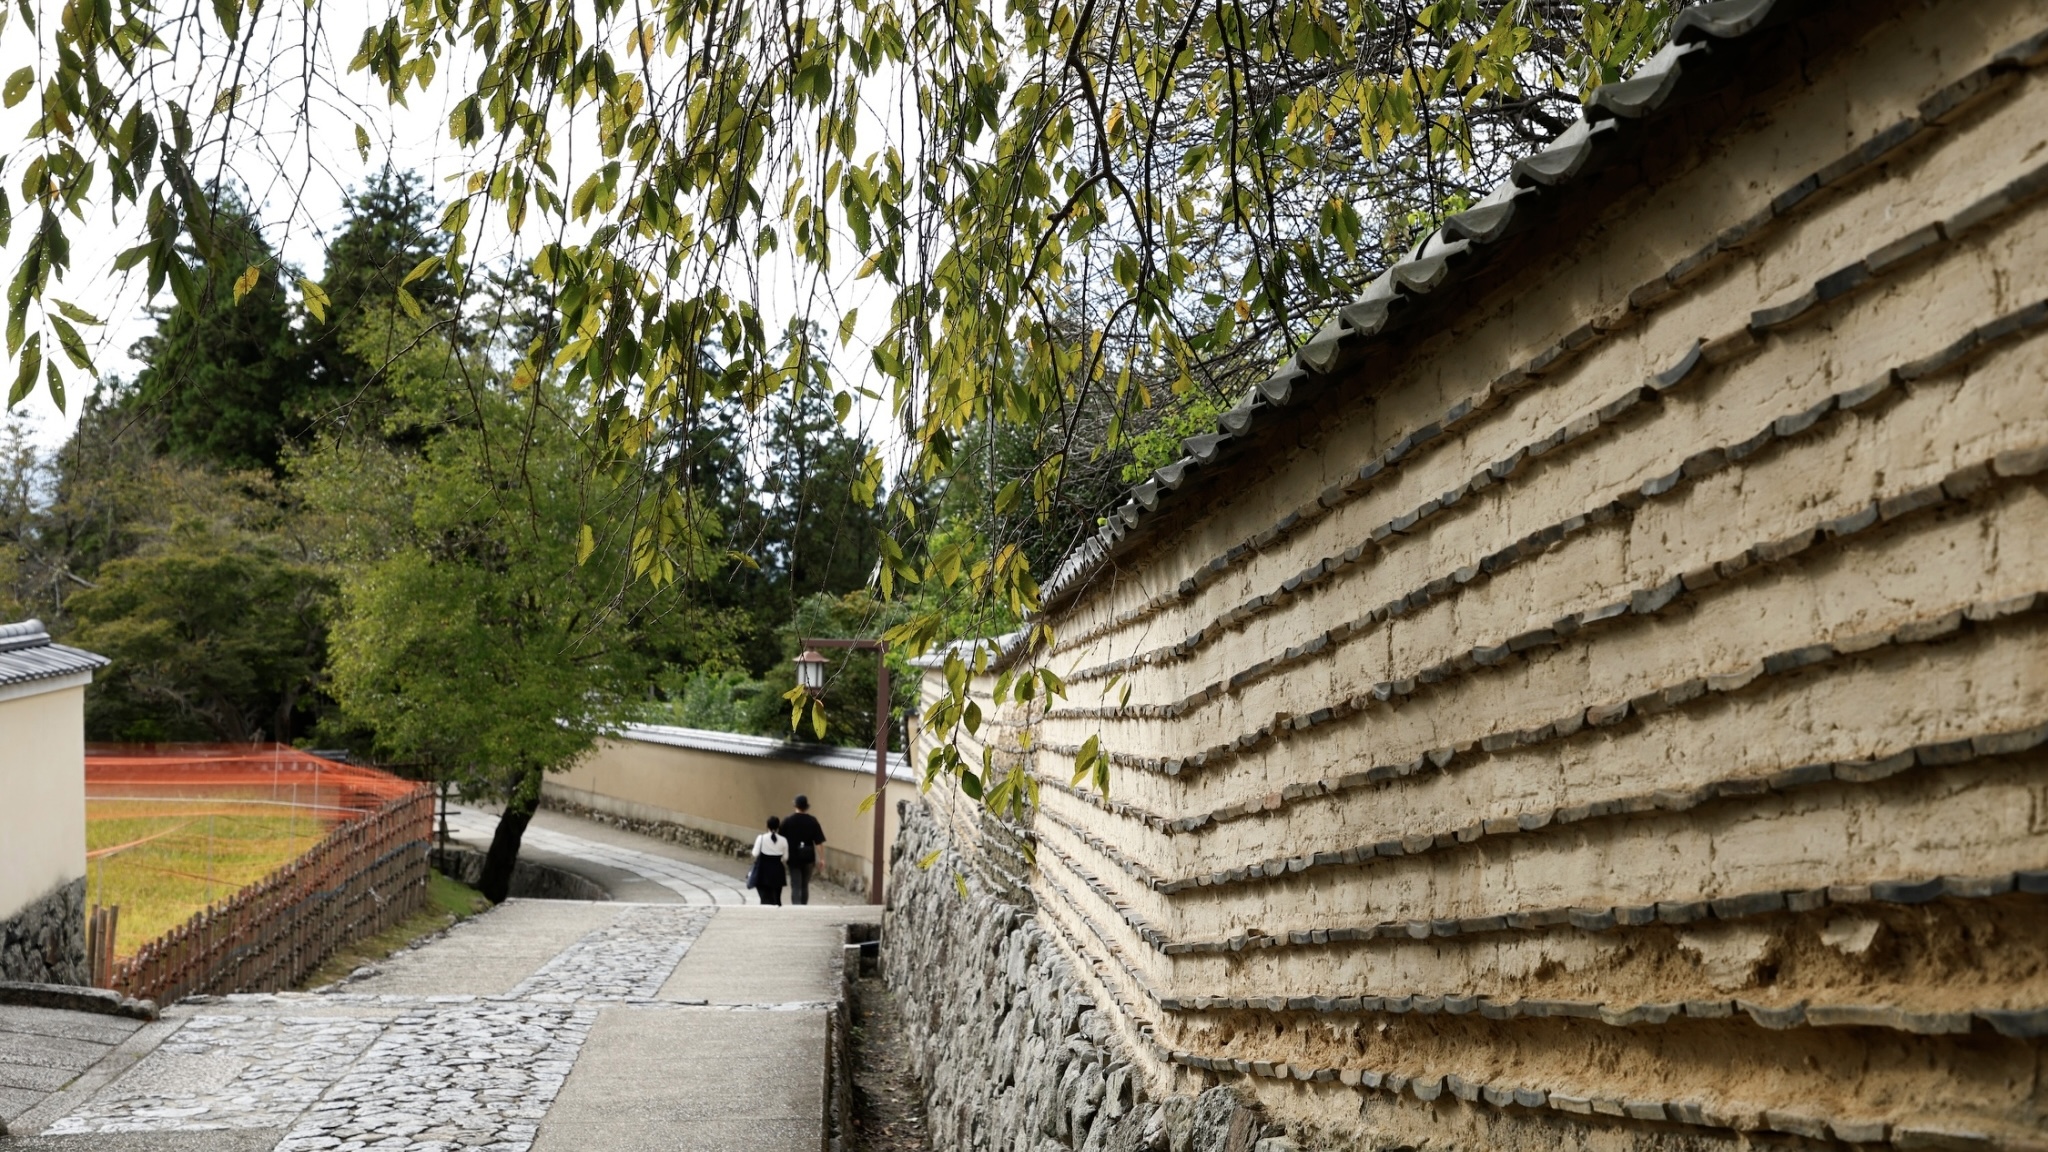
(347, 1069)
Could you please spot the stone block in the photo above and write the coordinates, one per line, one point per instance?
(1681, 912)
(1903, 249)
(1805, 899)
(1858, 1131)
(1798, 1124)
(1869, 771)
(1905, 891)
(1977, 887)
(1802, 776)
(1918, 1138)
(1943, 753)
(2021, 462)
(2021, 1024)
(1750, 904)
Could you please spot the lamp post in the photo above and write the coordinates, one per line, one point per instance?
(810, 676)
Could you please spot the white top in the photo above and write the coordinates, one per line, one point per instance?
(770, 844)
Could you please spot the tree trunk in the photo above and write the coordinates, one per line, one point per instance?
(496, 883)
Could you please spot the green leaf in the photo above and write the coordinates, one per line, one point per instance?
(930, 858)
(72, 343)
(55, 380)
(133, 256)
(818, 720)
(18, 85)
(77, 314)
(970, 784)
(586, 543)
(362, 144)
(25, 374)
(411, 305)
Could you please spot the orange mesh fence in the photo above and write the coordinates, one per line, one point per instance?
(365, 871)
(272, 774)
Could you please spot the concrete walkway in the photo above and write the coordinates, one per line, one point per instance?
(627, 864)
(545, 1025)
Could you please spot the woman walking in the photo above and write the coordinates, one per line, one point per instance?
(770, 851)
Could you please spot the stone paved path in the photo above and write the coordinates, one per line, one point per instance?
(43, 1049)
(546, 1025)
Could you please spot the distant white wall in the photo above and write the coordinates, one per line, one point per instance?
(728, 785)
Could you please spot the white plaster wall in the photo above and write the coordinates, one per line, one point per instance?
(42, 792)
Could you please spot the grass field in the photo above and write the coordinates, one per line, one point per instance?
(161, 862)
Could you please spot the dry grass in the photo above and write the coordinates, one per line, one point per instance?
(175, 859)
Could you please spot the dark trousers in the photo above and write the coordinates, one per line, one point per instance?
(800, 882)
(770, 893)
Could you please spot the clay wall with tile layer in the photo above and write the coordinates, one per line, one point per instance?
(1614, 712)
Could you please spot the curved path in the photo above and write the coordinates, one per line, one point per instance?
(627, 864)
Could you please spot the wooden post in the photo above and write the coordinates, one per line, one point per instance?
(882, 703)
(881, 767)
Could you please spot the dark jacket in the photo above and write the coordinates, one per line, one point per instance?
(804, 834)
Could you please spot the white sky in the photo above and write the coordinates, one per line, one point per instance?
(300, 179)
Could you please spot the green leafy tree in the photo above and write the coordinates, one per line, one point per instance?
(226, 369)
(489, 622)
(368, 285)
(24, 473)
(192, 579)
(214, 634)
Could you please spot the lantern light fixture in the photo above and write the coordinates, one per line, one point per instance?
(810, 671)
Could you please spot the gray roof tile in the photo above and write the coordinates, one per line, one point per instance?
(27, 654)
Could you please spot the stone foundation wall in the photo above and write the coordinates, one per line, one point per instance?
(44, 943)
(1005, 1033)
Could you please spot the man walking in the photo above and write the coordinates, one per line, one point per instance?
(804, 834)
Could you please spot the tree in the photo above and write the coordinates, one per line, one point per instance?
(226, 369)
(489, 621)
(192, 579)
(388, 234)
(24, 473)
(214, 634)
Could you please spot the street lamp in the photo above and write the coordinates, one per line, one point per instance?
(810, 676)
(810, 673)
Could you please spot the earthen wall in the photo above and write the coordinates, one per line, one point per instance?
(1621, 722)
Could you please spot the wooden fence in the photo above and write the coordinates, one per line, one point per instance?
(367, 875)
